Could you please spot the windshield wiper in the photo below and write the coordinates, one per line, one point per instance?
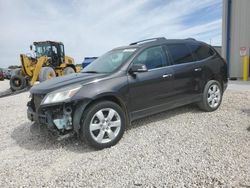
(89, 72)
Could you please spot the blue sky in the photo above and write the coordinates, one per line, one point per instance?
(90, 28)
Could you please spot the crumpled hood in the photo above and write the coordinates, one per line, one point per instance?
(64, 81)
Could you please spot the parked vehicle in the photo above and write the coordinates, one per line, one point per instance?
(1, 75)
(7, 74)
(87, 61)
(48, 62)
(128, 83)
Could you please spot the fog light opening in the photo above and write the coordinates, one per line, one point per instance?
(64, 123)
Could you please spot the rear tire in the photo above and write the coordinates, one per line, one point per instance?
(16, 72)
(17, 82)
(46, 73)
(212, 96)
(103, 124)
(68, 70)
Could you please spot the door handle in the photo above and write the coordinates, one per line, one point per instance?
(197, 69)
(167, 75)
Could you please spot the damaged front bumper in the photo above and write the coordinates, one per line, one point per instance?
(63, 117)
(58, 117)
(33, 116)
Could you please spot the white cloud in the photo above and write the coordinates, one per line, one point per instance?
(90, 28)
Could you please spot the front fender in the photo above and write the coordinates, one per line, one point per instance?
(79, 109)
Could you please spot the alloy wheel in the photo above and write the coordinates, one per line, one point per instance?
(213, 96)
(105, 125)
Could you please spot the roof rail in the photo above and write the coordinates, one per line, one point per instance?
(190, 39)
(149, 40)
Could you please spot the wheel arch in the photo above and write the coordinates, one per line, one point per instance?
(83, 105)
(210, 75)
(113, 98)
(218, 78)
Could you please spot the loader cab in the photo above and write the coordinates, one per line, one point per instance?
(53, 50)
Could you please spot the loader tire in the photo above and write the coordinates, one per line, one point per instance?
(46, 73)
(17, 82)
(68, 70)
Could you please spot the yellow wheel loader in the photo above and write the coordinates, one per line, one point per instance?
(47, 62)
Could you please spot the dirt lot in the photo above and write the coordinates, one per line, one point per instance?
(182, 147)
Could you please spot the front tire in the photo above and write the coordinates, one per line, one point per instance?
(212, 96)
(103, 124)
(46, 73)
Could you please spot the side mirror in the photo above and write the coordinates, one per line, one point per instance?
(138, 68)
(31, 47)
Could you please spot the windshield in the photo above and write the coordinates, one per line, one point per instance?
(110, 61)
(43, 49)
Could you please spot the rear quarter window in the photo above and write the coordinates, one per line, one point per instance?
(201, 51)
(180, 53)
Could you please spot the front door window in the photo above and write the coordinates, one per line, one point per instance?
(152, 57)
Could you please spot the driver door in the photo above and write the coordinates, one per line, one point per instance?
(148, 91)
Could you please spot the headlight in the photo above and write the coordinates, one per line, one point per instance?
(61, 95)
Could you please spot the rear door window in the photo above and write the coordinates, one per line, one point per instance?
(201, 51)
(180, 53)
(153, 57)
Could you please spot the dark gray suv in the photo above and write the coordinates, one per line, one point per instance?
(128, 83)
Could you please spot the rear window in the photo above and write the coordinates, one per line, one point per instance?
(180, 53)
(201, 51)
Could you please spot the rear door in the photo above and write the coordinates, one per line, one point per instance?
(183, 63)
(204, 65)
(152, 88)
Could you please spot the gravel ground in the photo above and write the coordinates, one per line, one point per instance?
(179, 148)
